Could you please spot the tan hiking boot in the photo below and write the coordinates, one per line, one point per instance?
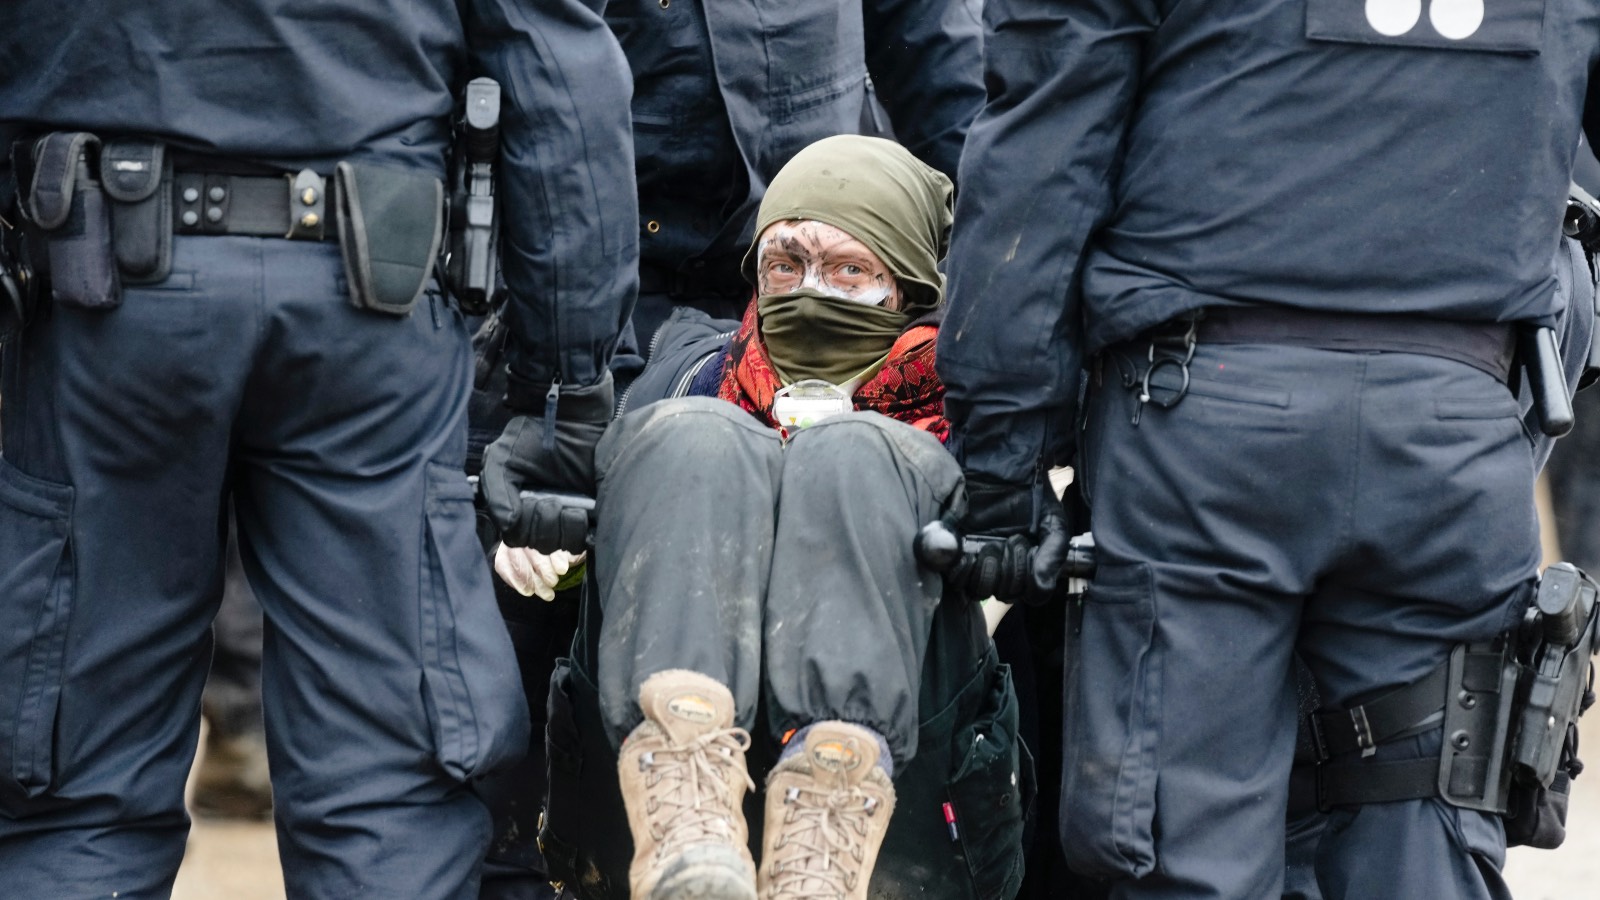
(683, 778)
(828, 807)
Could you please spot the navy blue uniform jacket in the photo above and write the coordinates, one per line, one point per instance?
(295, 83)
(1140, 158)
(724, 96)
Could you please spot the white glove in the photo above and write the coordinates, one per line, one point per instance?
(531, 573)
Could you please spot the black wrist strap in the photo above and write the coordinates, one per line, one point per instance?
(574, 403)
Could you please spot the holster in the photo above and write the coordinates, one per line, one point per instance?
(390, 225)
(1508, 709)
(67, 204)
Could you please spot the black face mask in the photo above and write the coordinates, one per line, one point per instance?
(811, 335)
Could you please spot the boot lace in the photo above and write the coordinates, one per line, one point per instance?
(821, 850)
(687, 798)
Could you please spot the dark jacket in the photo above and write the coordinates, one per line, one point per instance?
(290, 85)
(687, 349)
(721, 101)
(1140, 159)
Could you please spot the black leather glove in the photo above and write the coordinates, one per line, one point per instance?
(551, 454)
(1017, 539)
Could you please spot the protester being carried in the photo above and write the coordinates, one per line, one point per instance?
(753, 574)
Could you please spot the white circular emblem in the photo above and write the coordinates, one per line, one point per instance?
(1393, 18)
(1456, 19)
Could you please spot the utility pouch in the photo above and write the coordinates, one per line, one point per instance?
(390, 225)
(69, 206)
(137, 176)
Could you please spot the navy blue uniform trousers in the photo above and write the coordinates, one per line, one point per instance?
(1371, 510)
(388, 678)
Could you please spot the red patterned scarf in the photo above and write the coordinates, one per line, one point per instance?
(906, 388)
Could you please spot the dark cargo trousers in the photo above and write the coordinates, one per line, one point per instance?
(388, 677)
(800, 587)
(1371, 510)
(1575, 327)
(786, 573)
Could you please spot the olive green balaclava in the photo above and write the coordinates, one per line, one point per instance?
(884, 197)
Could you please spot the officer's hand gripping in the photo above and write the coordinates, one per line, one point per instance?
(1004, 554)
(538, 476)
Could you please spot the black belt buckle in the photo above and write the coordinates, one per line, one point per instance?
(308, 206)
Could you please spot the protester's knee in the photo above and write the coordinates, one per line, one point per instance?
(701, 431)
(871, 447)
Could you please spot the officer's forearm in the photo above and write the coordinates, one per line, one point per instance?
(570, 246)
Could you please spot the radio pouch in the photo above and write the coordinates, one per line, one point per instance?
(68, 205)
(138, 178)
(390, 225)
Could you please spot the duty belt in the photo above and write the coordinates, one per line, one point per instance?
(296, 206)
(1488, 346)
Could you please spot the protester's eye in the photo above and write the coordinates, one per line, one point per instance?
(778, 275)
(851, 276)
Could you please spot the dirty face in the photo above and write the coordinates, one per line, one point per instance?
(802, 253)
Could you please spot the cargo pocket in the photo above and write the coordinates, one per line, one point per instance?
(991, 790)
(917, 850)
(470, 717)
(1111, 727)
(37, 587)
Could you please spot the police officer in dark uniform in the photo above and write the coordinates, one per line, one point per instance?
(722, 99)
(239, 208)
(1294, 242)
